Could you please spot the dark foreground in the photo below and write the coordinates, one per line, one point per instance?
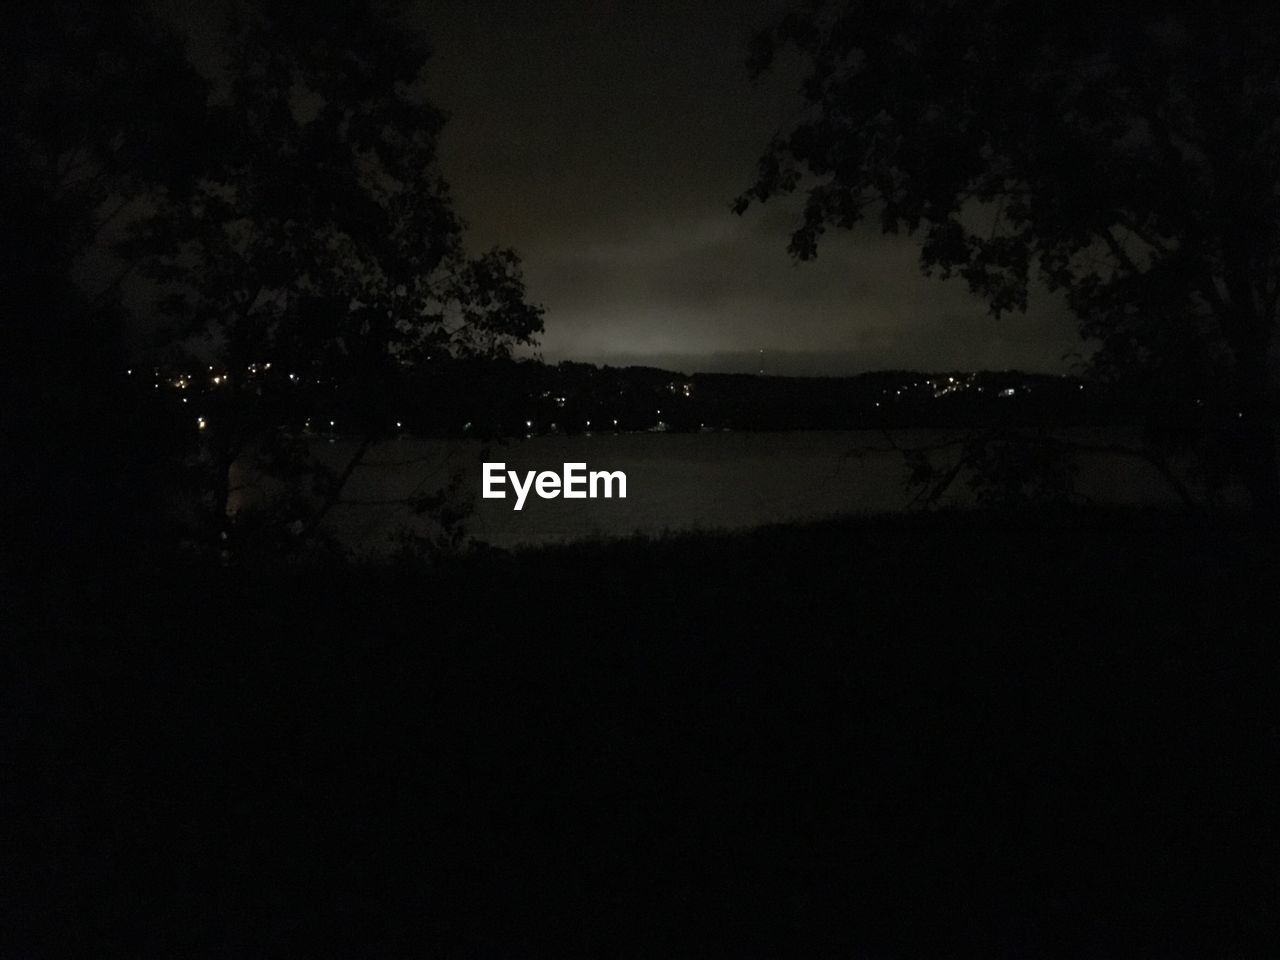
(1020, 736)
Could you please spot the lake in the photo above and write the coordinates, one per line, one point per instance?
(675, 482)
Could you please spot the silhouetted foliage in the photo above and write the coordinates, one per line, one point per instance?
(322, 237)
(1129, 154)
(290, 208)
(98, 118)
(1003, 468)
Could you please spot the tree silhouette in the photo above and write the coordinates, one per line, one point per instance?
(102, 113)
(321, 237)
(288, 205)
(1130, 154)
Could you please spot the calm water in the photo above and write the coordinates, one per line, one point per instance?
(674, 482)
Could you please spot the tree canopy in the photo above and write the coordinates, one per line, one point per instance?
(101, 109)
(323, 235)
(283, 203)
(1128, 154)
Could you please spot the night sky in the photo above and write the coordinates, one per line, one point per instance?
(606, 139)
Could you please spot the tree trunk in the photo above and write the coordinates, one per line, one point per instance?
(339, 484)
(219, 495)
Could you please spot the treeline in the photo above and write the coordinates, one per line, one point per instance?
(459, 397)
(573, 397)
(647, 398)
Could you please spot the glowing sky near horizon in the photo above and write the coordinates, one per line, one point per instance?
(606, 141)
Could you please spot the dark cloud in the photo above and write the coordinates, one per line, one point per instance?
(606, 140)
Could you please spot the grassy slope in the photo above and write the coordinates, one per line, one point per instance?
(893, 737)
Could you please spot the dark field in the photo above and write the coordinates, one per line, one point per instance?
(1019, 735)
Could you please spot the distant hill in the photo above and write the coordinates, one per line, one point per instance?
(488, 398)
